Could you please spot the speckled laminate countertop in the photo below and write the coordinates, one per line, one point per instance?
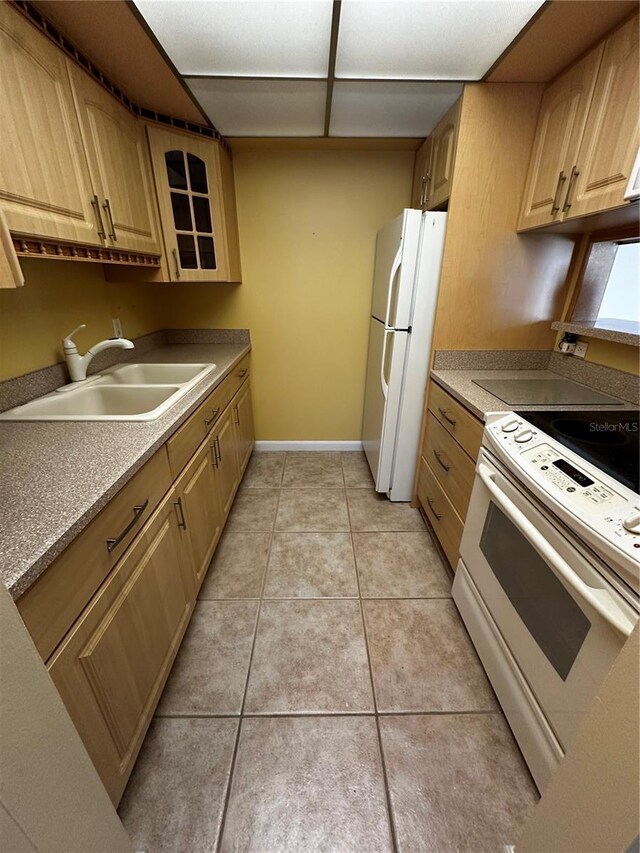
(460, 384)
(56, 476)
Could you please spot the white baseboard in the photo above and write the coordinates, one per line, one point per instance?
(308, 445)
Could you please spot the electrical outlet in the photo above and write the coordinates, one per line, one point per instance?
(117, 328)
(581, 349)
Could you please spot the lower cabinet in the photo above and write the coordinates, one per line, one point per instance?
(110, 651)
(112, 666)
(200, 515)
(244, 425)
(224, 442)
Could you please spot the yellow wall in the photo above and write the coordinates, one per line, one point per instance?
(308, 222)
(59, 295)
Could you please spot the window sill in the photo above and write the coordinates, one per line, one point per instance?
(588, 330)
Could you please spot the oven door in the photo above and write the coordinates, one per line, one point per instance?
(562, 621)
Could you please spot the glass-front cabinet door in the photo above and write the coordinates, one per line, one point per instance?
(189, 182)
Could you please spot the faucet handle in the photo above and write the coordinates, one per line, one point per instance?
(67, 342)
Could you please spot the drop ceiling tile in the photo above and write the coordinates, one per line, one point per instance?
(244, 38)
(389, 108)
(263, 107)
(423, 39)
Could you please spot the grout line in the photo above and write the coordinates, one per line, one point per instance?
(232, 767)
(273, 715)
(385, 779)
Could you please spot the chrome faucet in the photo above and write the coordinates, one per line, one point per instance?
(77, 363)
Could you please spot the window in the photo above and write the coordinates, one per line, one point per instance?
(191, 206)
(608, 296)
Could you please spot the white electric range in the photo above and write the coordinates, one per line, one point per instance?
(549, 574)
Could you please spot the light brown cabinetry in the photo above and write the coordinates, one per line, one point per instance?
(444, 140)
(196, 196)
(244, 426)
(108, 615)
(610, 143)
(422, 176)
(118, 159)
(199, 510)
(112, 667)
(45, 186)
(587, 135)
(451, 438)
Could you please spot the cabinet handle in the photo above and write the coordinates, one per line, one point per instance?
(438, 456)
(137, 515)
(175, 258)
(216, 448)
(214, 415)
(555, 207)
(180, 513)
(572, 180)
(95, 204)
(237, 417)
(214, 461)
(431, 503)
(447, 418)
(424, 186)
(427, 188)
(112, 233)
(242, 372)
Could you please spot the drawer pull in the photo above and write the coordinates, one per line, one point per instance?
(180, 513)
(242, 372)
(446, 416)
(438, 456)
(214, 415)
(137, 514)
(432, 506)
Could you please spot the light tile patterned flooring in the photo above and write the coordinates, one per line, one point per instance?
(326, 698)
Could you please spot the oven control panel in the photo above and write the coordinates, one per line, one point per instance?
(595, 500)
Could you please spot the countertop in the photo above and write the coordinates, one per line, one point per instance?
(56, 476)
(460, 384)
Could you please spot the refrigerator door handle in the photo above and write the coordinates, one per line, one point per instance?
(383, 378)
(395, 266)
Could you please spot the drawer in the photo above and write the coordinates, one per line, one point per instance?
(445, 521)
(458, 421)
(54, 602)
(184, 443)
(453, 469)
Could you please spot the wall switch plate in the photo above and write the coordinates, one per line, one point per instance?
(581, 349)
(117, 328)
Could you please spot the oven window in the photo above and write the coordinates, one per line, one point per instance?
(551, 615)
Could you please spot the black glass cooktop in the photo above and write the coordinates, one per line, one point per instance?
(609, 440)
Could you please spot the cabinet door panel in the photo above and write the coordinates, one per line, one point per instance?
(244, 426)
(561, 122)
(228, 472)
(112, 667)
(612, 132)
(198, 493)
(117, 154)
(443, 155)
(45, 188)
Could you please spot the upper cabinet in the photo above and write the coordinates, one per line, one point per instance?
(196, 196)
(119, 166)
(610, 143)
(587, 135)
(422, 175)
(45, 186)
(444, 140)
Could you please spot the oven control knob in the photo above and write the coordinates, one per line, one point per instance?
(632, 522)
(524, 436)
(511, 425)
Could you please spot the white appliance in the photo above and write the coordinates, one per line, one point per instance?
(547, 583)
(405, 290)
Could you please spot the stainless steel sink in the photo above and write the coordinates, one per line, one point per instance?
(131, 392)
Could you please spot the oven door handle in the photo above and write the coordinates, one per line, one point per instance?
(599, 599)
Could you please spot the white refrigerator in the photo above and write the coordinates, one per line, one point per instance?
(405, 290)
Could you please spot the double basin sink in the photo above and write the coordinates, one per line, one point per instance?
(130, 392)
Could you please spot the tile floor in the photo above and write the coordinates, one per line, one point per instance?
(326, 698)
